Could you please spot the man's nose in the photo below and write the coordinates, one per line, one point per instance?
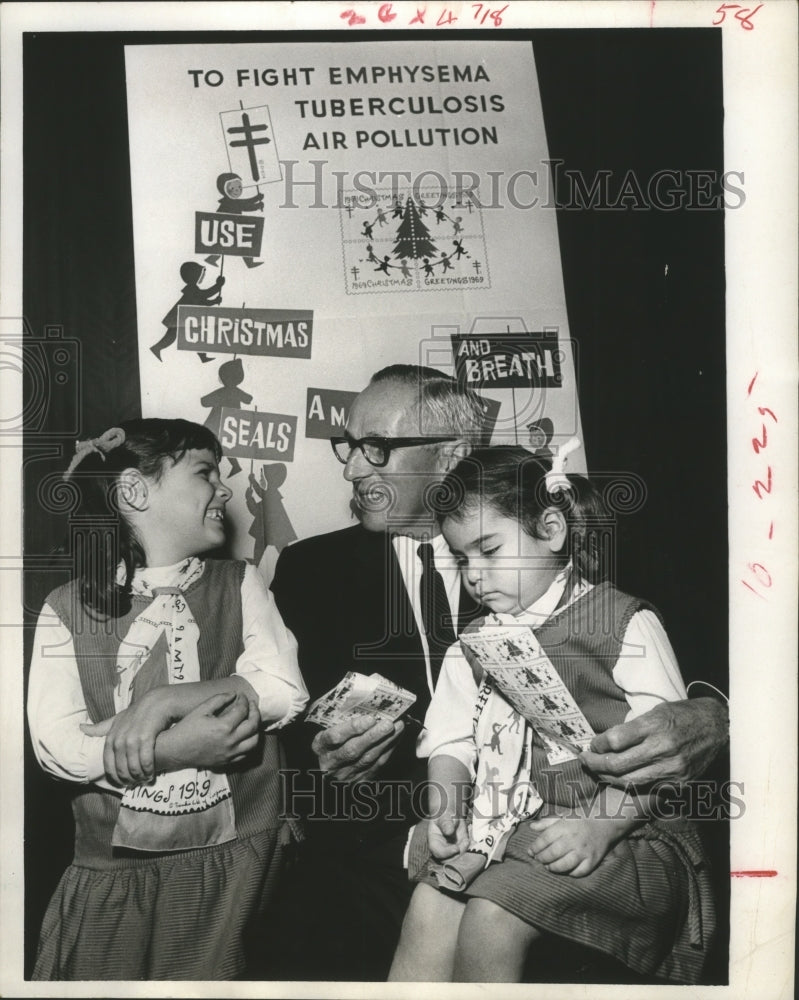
(356, 466)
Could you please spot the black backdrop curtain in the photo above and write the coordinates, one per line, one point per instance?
(651, 342)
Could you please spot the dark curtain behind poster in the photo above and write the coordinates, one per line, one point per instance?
(644, 292)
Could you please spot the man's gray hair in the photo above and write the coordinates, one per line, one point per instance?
(445, 406)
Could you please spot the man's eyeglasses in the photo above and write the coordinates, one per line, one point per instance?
(377, 450)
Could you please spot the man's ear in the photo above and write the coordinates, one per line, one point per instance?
(132, 492)
(452, 452)
(555, 528)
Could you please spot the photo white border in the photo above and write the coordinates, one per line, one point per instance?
(760, 136)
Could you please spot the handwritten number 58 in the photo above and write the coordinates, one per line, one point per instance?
(742, 14)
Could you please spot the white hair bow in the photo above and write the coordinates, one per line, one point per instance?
(111, 439)
(556, 479)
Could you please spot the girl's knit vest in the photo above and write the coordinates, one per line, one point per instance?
(215, 601)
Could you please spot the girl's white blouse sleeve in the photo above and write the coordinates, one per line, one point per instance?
(647, 669)
(449, 723)
(57, 707)
(269, 660)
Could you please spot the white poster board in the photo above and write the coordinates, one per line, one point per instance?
(387, 200)
(759, 44)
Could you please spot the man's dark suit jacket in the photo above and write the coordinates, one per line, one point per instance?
(343, 597)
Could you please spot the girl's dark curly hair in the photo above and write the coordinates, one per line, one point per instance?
(511, 481)
(149, 445)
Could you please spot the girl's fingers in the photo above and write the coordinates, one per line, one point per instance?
(228, 708)
(249, 725)
(551, 852)
(585, 867)
(120, 765)
(131, 752)
(447, 825)
(97, 728)
(565, 864)
(545, 838)
(147, 761)
(212, 706)
(236, 712)
(110, 764)
(246, 745)
(539, 825)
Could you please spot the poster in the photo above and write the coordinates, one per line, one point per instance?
(759, 85)
(333, 210)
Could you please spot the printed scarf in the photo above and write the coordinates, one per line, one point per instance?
(185, 809)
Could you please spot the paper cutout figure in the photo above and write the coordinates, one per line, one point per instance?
(540, 437)
(232, 203)
(231, 375)
(271, 526)
(191, 274)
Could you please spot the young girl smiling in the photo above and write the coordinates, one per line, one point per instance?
(156, 684)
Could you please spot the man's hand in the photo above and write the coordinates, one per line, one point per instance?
(675, 741)
(356, 750)
(447, 836)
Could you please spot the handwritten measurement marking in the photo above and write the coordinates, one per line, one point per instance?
(482, 13)
(495, 15)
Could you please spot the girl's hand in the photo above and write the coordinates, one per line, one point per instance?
(219, 732)
(574, 845)
(130, 735)
(447, 836)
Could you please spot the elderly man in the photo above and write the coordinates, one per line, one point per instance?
(385, 596)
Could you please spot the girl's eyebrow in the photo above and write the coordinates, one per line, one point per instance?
(475, 542)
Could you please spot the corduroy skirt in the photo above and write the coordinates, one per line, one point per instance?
(178, 916)
(649, 902)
